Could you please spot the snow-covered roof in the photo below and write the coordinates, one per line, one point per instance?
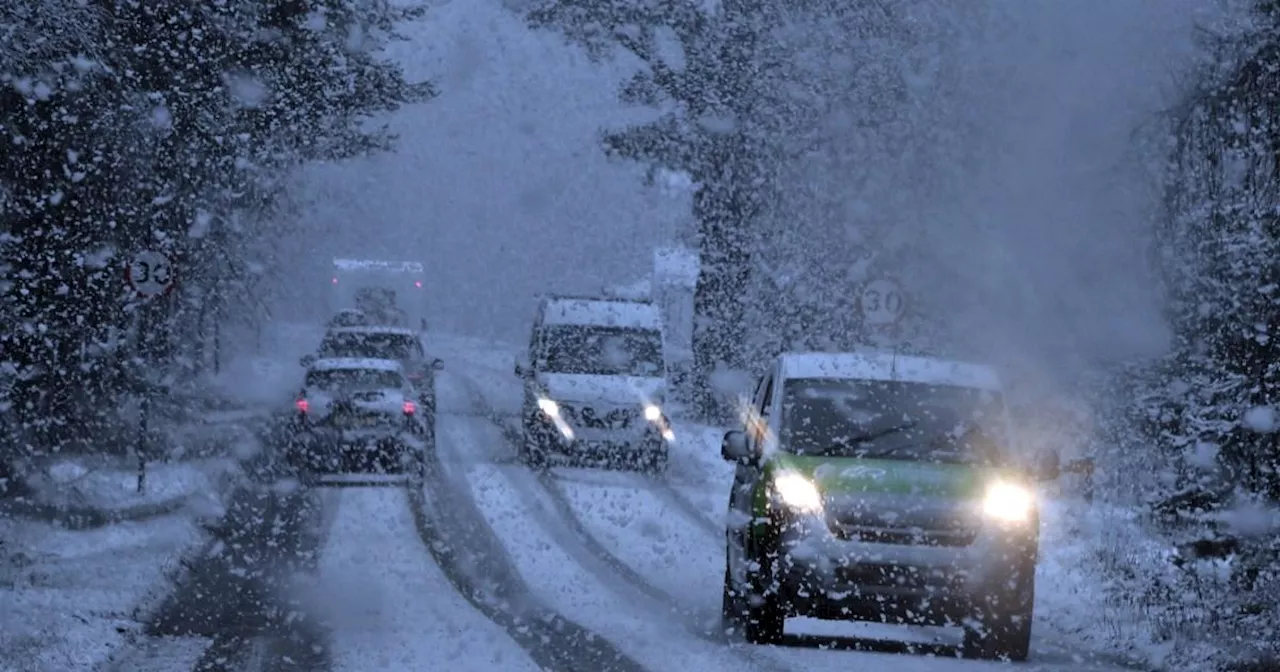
(374, 329)
(640, 290)
(879, 365)
(378, 265)
(356, 363)
(676, 265)
(602, 312)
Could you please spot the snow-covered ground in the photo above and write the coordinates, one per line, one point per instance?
(72, 597)
(388, 605)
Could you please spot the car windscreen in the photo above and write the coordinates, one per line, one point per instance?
(607, 351)
(891, 420)
(374, 345)
(349, 318)
(352, 380)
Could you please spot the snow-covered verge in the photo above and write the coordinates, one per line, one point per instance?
(90, 491)
(74, 596)
(1163, 596)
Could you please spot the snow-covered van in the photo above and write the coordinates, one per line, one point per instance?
(391, 293)
(595, 383)
(877, 486)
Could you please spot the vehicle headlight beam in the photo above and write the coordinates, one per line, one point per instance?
(1007, 502)
(798, 492)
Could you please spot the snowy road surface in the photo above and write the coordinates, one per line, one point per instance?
(495, 567)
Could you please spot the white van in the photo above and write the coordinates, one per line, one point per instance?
(595, 383)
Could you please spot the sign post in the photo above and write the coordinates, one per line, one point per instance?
(149, 274)
(883, 304)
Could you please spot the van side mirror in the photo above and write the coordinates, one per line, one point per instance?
(307, 361)
(1047, 466)
(734, 447)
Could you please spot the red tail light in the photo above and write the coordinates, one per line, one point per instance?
(417, 283)
(302, 405)
(335, 281)
(410, 408)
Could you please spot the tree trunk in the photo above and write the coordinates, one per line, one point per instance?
(723, 206)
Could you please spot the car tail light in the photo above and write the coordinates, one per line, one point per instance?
(302, 405)
(417, 283)
(410, 408)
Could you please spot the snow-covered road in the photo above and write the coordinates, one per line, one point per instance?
(388, 605)
(495, 567)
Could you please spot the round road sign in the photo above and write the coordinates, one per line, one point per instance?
(150, 273)
(883, 302)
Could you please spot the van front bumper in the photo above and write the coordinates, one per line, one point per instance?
(824, 577)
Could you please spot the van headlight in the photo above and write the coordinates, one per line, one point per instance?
(797, 492)
(652, 412)
(1008, 503)
(549, 407)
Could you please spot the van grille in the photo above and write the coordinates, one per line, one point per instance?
(907, 536)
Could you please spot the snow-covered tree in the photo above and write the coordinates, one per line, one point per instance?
(162, 125)
(1202, 421)
(707, 68)
(1219, 248)
(739, 97)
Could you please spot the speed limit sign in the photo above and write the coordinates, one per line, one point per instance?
(882, 302)
(150, 274)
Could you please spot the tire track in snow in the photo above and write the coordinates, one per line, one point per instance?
(282, 638)
(468, 553)
(480, 407)
(687, 508)
(666, 603)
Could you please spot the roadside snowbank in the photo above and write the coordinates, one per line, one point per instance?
(73, 597)
(109, 485)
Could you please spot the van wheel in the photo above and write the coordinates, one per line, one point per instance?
(758, 613)
(732, 609)
(530, 450)
(1002, 628)
(764, 621)
(657, 462)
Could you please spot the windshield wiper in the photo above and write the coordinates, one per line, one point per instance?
(854, 441)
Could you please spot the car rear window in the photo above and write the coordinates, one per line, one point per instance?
(335, 380)
(372, 345)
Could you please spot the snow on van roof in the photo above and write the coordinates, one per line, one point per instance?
(355, 363)
(378, 265)
(602, 313)
(374, 329)
(879, 365)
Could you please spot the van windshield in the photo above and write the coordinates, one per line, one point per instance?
(596, 350)
(892, 420)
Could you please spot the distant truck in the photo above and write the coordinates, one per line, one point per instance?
(391, 293)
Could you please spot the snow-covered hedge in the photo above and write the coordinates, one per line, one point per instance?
(1187, 561)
